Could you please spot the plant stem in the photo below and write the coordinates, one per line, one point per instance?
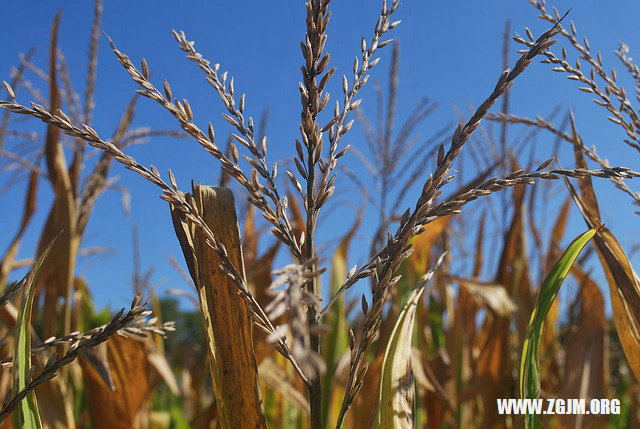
(315, 387)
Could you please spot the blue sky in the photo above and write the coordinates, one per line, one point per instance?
(450, 52)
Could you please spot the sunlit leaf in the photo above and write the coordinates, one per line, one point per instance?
(624, 283)
(232, 360)
(129, 368)
(396, 395)
(529, 376)
(26, 414)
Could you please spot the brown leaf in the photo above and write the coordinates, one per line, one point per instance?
(58, 270)
(250, 237)
(586, 365)
(423, 243)
(492, 368)
(437, 404)
(130, 371)
(557, 233)
(54, 156)
(623, 281)
(494, 296)
(53, 403)
(479, 259)
(259, 278)
(233, 364)
(6, 265)
(298, 220)
(363, 407)
(550, 369)
(98, 358)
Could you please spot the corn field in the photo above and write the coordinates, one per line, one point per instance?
(389, 272)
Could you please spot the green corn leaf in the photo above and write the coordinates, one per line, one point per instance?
(529, 376)
(26, 415)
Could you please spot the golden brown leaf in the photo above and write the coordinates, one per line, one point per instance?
(624, 283)
(227, 321)
(130, 371)
(6, 265)
(587, 357)
(298, 220)
(58, 271)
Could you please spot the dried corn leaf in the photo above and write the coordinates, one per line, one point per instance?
(118, 408)
(259, 278)
(553, 253)
(624, 283)
(233, 365)
(298, 220)
(479, 255)
(513, 268)
(58, 273)
(550, 366)
(362, 415)
(587, 357)
(98, 358)
(396, 395)
(6, 265)
(422, 244)
(250, 237)
(492, 368)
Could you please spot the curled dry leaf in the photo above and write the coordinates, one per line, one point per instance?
(493, 296)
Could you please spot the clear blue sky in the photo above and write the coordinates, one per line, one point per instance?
(450, 52)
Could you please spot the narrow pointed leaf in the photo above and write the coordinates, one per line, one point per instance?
(395, 403)
(26, 415)
(529, 376)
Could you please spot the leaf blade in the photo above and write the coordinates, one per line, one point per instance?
(529, 378)
(26, 414)
(395, 406)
